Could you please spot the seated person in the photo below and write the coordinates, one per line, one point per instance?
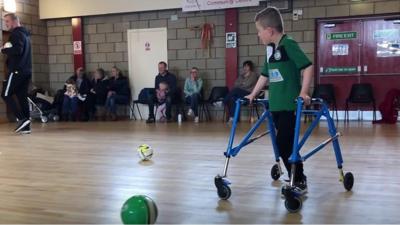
(388, 107)
(118, 93)
(162, 92)
(192, 90)
(243, 87)
(98, 92)
(163, 76)
(70, 101)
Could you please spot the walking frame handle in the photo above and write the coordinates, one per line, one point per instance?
(245, 101)
(314, 101)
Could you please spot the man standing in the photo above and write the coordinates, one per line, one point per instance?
(163, 76)
(19, 65)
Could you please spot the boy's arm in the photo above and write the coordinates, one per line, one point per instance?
(262, 81)
(308, 74)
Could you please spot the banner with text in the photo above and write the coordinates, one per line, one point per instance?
(199, 5)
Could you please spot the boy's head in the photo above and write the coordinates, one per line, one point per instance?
(163, 86)
(269, 23)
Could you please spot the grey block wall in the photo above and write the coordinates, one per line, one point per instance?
(106, 44)
(28, 11)
(59, 39)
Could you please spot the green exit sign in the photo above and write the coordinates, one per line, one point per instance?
(341, 35)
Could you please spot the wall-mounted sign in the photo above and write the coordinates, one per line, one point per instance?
(199, 5)
(340, 49)
(77, 47)
(388, 49)
(340, 70)
(147, 46)
(341, 35)
(231, 40)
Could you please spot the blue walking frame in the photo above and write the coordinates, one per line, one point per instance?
(293, 200)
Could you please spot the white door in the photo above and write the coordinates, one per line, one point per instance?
(146, 48)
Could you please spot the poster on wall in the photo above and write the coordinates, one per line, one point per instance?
(388, 49)
(231, 40)
(147, 46)
(200, 5)
(77, 47)
(340, 49)
(387, 42)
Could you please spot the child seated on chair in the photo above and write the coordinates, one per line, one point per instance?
(70, 103)
(161, 98)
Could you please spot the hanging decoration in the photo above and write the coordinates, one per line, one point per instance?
(206, 37)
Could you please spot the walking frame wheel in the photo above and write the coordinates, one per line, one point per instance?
(275, 172)
(293, 204)
(293, 199)
(348, 181)
(223, 190)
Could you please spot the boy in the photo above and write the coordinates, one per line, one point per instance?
(282, 68)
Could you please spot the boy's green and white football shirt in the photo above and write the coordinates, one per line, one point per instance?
(283, 66)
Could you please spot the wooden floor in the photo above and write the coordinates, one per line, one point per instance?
(83, 172)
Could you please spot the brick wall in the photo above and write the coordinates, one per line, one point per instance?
(59, 38)
(28, 12)
(106, 44)
(105, 37)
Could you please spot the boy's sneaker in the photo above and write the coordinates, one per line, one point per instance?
(21, 125)
(301, 187)
(196, 119)
(190, 112)
(25, 130)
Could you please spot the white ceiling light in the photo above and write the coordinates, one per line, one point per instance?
(10, 6)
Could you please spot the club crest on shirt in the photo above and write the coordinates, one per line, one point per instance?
(277, 55)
